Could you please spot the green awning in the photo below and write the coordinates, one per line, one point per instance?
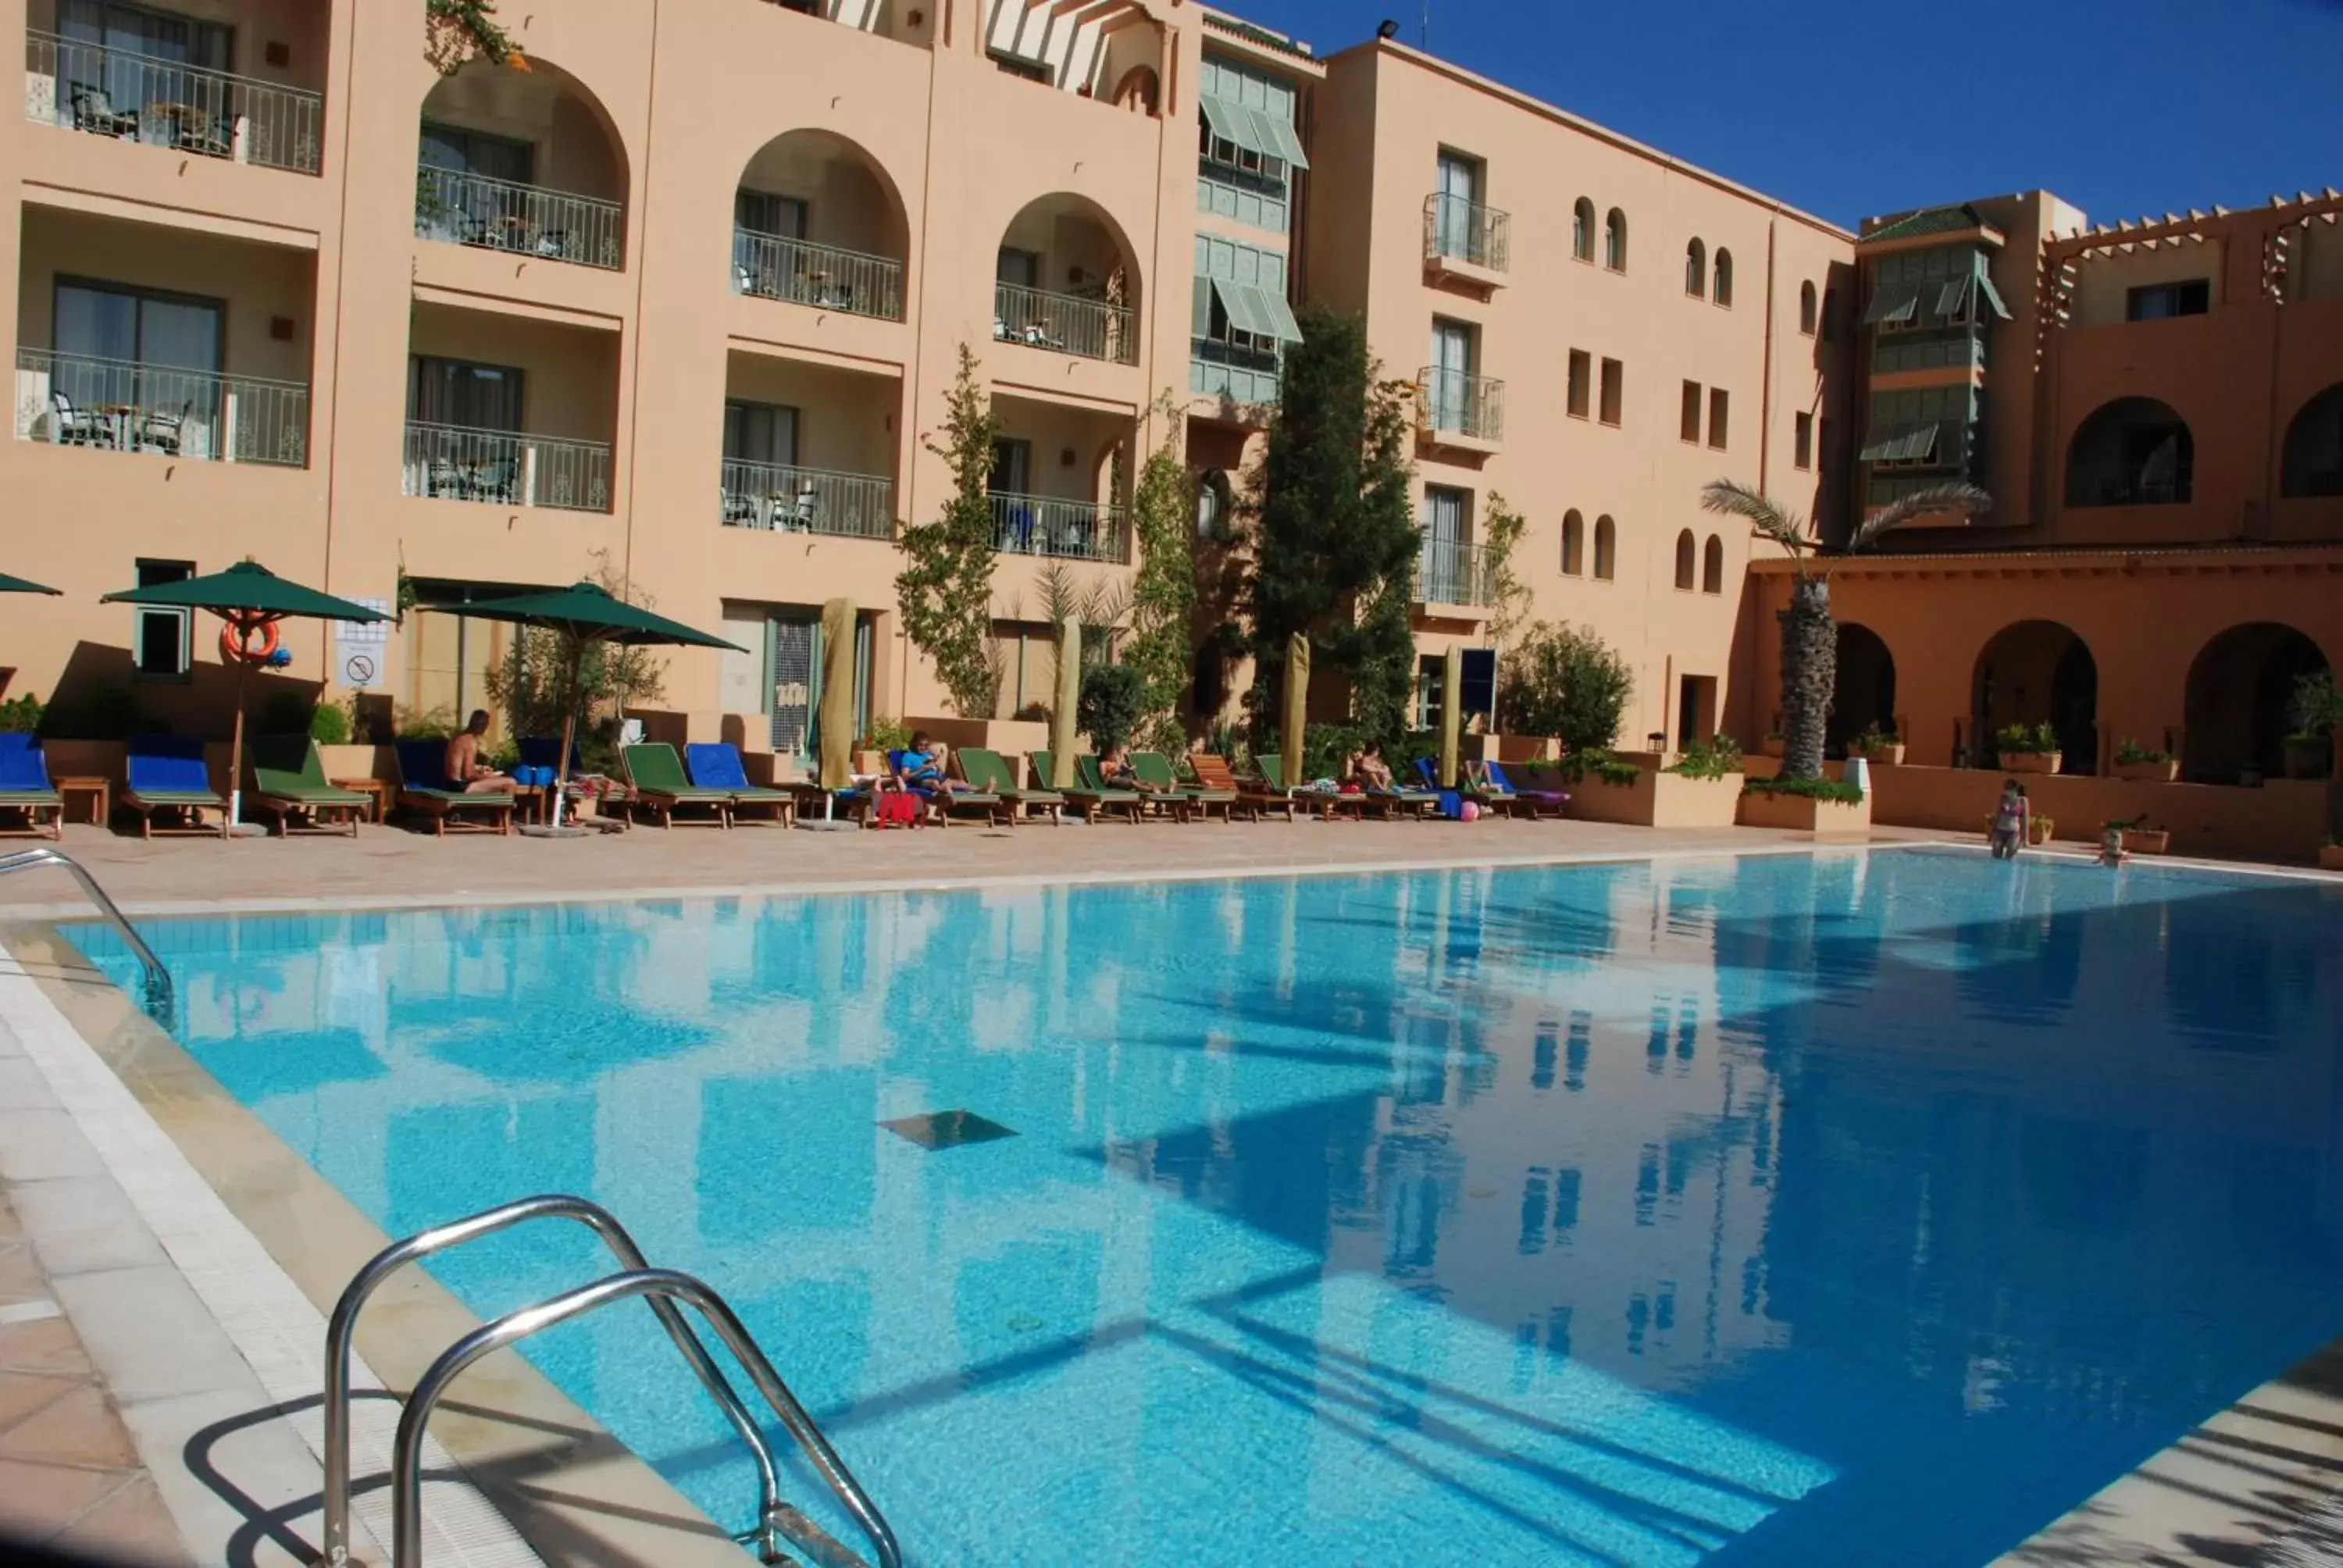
(1232, 122)
(1284, 141)
(1251, 309)
(1952, 297)
(1990, 296)
(1901, 443)
(1897, 305)
(1287, 329)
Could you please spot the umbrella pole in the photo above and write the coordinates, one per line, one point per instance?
(569, 725)
(236, 751)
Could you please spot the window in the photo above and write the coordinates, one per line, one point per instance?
(1017, 66)
(1696, 270)
(2162, 301)
(1582, 230)
(764, 211)
(163, 640)
(1720, 412)
(1574, 544)
(1214, 505)
(1614, 241)
(464, 151)
(120, 37)
(1711, 566)
(1581, 373)
(1803, 450)
(1688, 416)
(1606, 549)
(763, 433)
(1012, 467)
(1614, 389)
(1018, 269)
(1688, 549)
(1458, 182)
(462, 393)
(1806, 308)
(1455, 352)
(1720, 281)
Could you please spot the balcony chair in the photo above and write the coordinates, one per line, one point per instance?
(93, 110)
(165, 432)
(73, 426)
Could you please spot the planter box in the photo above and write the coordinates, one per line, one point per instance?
(2306, 759)
(2039, 830)
(1774, 746)
(1884, 756)
(1828, 821)
(2031, 761)
(2151, 772)
(2145, 840)
(1657, 800)
(2331, 858)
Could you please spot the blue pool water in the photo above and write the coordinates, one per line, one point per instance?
(1787, 1210)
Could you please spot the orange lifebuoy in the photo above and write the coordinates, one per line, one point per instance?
(237, 639)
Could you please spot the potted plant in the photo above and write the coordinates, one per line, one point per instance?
(2317, 709)
(2330, 855)
(2028, 748)
(1880, 747)
(2134, 760)
(2139, 837)
(1775, 743)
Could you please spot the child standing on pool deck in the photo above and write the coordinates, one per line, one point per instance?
(2011, 819)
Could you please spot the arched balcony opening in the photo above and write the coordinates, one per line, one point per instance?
(1065, 280)
(817, 222)
(522, 161)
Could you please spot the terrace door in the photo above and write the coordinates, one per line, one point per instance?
(131, 54)
(1451, 373)
(1459, 188)
(150, 360)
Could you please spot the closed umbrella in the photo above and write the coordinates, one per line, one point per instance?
(834, 722)
(252, 599)
(1452, 716)
(1069, 700)
(583, 614)
(1297, 705)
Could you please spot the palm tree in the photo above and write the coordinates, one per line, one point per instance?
(1809, 635)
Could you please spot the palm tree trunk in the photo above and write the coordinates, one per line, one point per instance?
(1809, 675)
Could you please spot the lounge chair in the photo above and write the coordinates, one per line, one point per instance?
(1089, 799)
(424, 786)
(288, 778)
(1090, 774)
(942, 799)
(789, 773)
(1427, 773)
(1251, 797)
(990, 771)
(25, 784)
(717, 765)
(168, 778)
(1529, 803)
(1155, 770)
(1327, 803)
(655, 776)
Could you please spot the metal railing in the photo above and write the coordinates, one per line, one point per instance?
(827, 277)
(778, 497)
(1462, 230)
(138, 97)
(506, 469)
(462, 208)
(158, 998)
(124, 405)
(1063, 324)
(1462, 405)
(1447, 572)
(1067, 530)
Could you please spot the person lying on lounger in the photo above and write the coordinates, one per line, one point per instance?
(921, 766)
(1371, 772)
(465, 769)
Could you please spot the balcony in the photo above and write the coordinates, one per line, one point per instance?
(1452, 572)
(774, 497)
(1465, 413)
(506, 469)
(457, 207)
(1061, 530)
(826, 276)
(1063, 324)
(123, 406)
(1465, 242)
(160, 103)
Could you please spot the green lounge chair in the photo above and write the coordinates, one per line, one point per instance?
(288, 778)
(1155, 770)
(1327, 803)
(990, 771)
(424, 786)
(1090, 800)
(655, 774)
(717, 765)
(25, 784)
(1090, 774)
(168, 777)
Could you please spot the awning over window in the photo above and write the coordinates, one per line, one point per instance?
(1902, 444)
(1257, 310)
(1258, 131)
(1285, 142)
(1952, 297)
(1987, 292)
(1897, 305)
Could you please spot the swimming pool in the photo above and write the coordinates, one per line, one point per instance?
(1782, 1210)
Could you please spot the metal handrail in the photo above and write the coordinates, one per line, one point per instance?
(343, 1326)
(664, 1287)
(158, 978)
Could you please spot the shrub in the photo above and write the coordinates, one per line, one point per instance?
(1326, 749)
(2037, 739)
(1114, 703)
(1873, 738)
(333, 724)
(2128, 751)
(1712, 758)
(431, 724)
(1034, 713)
(21, 715)
(1568, 684)
(1606, 767)
(2317, 706)
(1808, 788)
(885, 735)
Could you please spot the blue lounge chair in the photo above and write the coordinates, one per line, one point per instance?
(168, 778)
(717, 765)
(25, 784)
(1532, 802)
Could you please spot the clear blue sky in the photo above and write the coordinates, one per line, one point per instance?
(2121, 107)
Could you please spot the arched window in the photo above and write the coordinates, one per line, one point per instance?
(1574, 544)
(1806, 308)
(1614, 241)
(1697, 269)
(2132, 452)
(1711, 566)
(2313, 463)
(1582, 230)
(1688, 549)
(1214, 505)
(1721, 282)
(1606, 547)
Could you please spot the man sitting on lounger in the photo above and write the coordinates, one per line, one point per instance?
(465, 769)
(920, 767)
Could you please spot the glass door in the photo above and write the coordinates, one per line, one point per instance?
(1460, 192)
(1452, 375)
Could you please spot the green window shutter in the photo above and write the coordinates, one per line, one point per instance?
(1202, 314)
(1284, 141)
(1248, 311)
(1897, 305)
(1990, 295)
(1284, 326)
(1232, 122)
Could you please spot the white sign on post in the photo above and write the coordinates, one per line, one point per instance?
(359, 648)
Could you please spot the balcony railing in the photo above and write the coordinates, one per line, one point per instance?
(1460, 230)
(1447, 572)
(775, 498)
(462, 208)
(163, 103)
(1068, 530)
(122, 406)
(504, 469)
(799, 272)
(1453, 403)
(1063, 324)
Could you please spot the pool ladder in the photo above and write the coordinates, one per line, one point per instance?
(663, 1288)
(158, 978)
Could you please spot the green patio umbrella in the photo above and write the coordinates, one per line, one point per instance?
(20, 585)
(583, 614)
(250, 599)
